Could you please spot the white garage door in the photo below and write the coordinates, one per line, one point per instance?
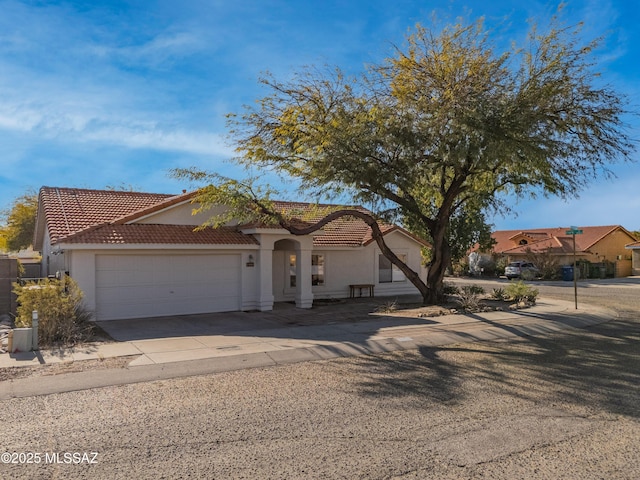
(131, 286)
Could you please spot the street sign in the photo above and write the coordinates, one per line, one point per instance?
(573, 231)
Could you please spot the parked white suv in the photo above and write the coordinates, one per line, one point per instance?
(524, 270)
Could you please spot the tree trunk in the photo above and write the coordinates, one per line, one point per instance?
(441, 257)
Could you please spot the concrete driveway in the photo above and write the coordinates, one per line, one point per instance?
(345, 328)
(283, 316)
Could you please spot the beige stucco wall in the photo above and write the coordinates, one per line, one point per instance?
(181, 215)
(357, 265)
(611, 247)
(623, 268)
(54, 259)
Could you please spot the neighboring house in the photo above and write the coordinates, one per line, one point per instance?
(137, 255)
(600, 245)
(635, 257)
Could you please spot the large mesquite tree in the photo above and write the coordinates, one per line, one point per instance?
(443, 127)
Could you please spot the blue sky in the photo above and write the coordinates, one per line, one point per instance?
(96, 93)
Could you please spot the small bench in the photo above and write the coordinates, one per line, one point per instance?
(360, 287)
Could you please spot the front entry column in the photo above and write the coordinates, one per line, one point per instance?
(265, 266)
(304, 295)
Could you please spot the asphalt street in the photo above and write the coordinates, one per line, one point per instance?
(563, 405)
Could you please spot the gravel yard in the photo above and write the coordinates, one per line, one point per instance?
(562, 406)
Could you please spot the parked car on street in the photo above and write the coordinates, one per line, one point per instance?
(524, 270)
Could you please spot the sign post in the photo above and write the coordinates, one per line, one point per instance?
(573, 231)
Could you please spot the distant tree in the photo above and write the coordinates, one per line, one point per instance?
(123, 187)
(546, 262)
(468, 227)
(20, 222)
(445, 125)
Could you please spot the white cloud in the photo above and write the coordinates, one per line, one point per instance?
(193, 142)
(83, 126)
(153, 52)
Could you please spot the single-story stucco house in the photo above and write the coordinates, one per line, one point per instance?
(596, 244)
(137, 255)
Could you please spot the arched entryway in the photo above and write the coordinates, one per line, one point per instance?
(291, 271)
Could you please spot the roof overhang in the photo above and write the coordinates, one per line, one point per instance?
(62, 247)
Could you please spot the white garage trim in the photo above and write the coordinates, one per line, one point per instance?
(133, 286)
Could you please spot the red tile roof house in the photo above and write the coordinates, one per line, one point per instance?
(137, 255)
(596, 245)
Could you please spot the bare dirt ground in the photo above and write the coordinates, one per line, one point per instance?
(12, 373)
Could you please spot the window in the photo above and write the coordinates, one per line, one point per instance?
(388, 272)
(317, 270)
(292, 271)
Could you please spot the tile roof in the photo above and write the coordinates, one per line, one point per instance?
(139, 233)
(77, 216)
(555, 238)
(344, 231)
(69, 210)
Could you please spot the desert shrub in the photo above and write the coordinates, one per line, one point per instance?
(449, 288)
(470, 297)
(62, 317)
(387, 307)
(499, 294)
(474, 289)
(520, 292)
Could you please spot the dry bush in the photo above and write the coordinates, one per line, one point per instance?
(62, 317)
(521, 292)
(470, 296)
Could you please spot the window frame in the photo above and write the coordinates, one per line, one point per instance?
(396, 275)
(291, 279)
(322, 266)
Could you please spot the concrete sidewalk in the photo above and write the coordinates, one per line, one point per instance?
(240, 339)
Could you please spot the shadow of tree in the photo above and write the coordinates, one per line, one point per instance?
(422, 374)
(596, 368)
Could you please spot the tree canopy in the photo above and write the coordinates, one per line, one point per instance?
(20, 220)
(442, 128)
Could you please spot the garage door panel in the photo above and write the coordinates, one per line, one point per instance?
(129, 286)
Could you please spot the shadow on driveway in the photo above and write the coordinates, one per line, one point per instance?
(284, 317)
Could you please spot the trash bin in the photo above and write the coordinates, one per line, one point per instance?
(567, 273)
